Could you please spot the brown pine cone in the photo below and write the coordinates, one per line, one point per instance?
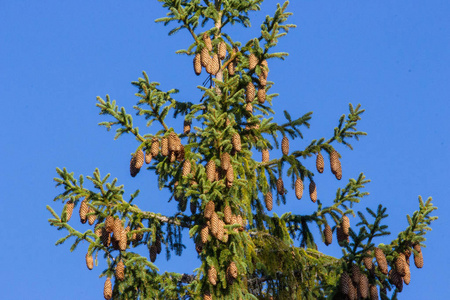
(197, 64)
(356, 273)
(69, 209)
(299, 188)
(262, 80)
(220, 230)
(313, 191)
(117, 228)
(248, 108)
(269, 201)
(109, 223)
(367, 260)
(345, 224)
(232, 270)
(222, 50)
(209, 209)
(214, 224)
(341, 237)
(230, 176)
(320, 164)
(373, 292)
(106, 237)
(252, 61)
(225, 161)
(231, 68)
(418, 256)
(400, 264)
(207, 41)
(89, 261)
(84, 208)
(345, 283)
(261, 95)
(280, 186)
(204, 233)
(120, 270)
(154, 149)
(211, 170)
(233, 222)
(236, 141)
(107, 289)
(227, 214)
(265, 155)
(212, 275)
(363, 286)
(240, 221)
(335, 164)
(250, 92)
(407, 277)
(264, 69)
(285, 145)
(396, 279)
(92, 217)
(207, 296)
(381, 261)
(164, 146)
(98, 230)
(328, 233)
(215, 64)
(123, 241)
(153, 253)
(158, 244)
(187, 126)
(186, 168)
(148, 157)
(199, 247)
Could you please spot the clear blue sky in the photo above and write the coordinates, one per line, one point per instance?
(57, 56)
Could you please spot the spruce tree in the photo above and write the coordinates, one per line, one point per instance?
(217, 161)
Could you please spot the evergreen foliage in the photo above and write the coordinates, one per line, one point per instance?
(244, 252)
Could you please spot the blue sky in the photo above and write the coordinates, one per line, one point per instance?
(57, 56)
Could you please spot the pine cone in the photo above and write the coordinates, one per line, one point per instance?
(233, 222)
(117, 228)
(381, 261)
(123, 241)
(225, 161)
(252, 61)
(407, 277)
(139, 159)
(341, 237)
(120, 271)
(240, 221)
(153, 253)
(148, 157)
(280, 186)
(299, 188)
(313, 191)
(164, 146)
(356, 273)
(158, 244)
(249, 108)
(265, 155)
(207, 296)
(230, 176)
(215, 64)
(89, 261)
(236, 141)
(186, 168)
(232, 270)
(335, 164)
(345, 224)
(187, 127)
(396, 279)
(92, 217)
(262, 80)
(373, 292)
(109, 223)
(352, 293)
(69, 209)
(269, 201)
(98, 230)
(209, 209)
(207, 41)
(220, 230)
(222, 50)
(261, 94)
(363, 286)
(212, 275)
(250, 92)
(368, 261)
(227, 214)
(345, 283)
(400, 264)
(328, 234)
(320, 163)
(418, 260)
(107, 289)
(204, 233)
(214, 225)
(285, 145)
(84, 208)
(231, 68)
(154, 149)
(197, 64)
(211, 170)
(264, 68)
(106, 237)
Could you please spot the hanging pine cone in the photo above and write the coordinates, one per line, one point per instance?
(240, 221)
(222, 50)
(230, 176)
(231, 68)
(236, 141)
(280, 186)
(265, 155)
(250, 92)
(363, 286)
(215, 64)
(180, 153)
(381, 261)
(154, 149)
(164, 146)
(212, 275)
(407, 277)
(92, 217)
(117, 228)
(225, 161)
(84, 208)
(320, 163)
(299, 188)
(345, 283)
(210, 65)
(89, 261)
(252, 61)
(264, 68)
(120, 270)
(207, 296)
(345, 224)
(107, 289)
(233, 222)
(207, 41)
(214, 225)
(249, 108)
(335, 164)
(69, 209)
(373, 292)
(197, 64)
(262, 80)
(328, 233)
(186, 168)
(368, 261)
(209, 209)
(313, 191)
(172, 139)
(187, 126)
(158, 244)
(232, 270)
(153, 253)
(396, 279)
(109, 223)
(227, 214)
(204, 233)
(123, 241)
(285, 145)
(261, 95)
(400, 264)
(356, 273)
(211, 170)
(269, 201)
(341, 237)
(352, 293)
(98, 230)
(106, 237)
(418, 258)
(220, 230)
(148, 157)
